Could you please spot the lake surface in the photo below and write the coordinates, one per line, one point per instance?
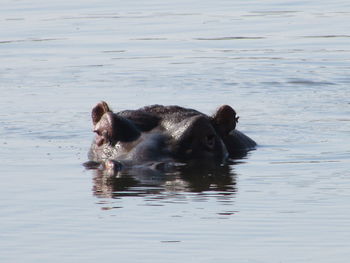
(284, 67)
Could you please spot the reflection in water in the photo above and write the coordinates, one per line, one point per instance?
(143, 181)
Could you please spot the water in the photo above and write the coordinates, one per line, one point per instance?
(284, 67)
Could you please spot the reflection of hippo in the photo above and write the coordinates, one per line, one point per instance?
(141, 181)
(162, 134)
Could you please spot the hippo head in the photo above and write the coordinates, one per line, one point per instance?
(157, 133)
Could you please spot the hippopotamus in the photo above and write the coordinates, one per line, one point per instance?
(156, 135)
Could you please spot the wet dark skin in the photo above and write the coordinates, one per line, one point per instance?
(156, 135)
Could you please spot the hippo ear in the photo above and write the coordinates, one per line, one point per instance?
(98, 111)
(104, 128)
(225, 120)
(112, 128)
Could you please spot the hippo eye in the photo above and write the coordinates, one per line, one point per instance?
(210, 140)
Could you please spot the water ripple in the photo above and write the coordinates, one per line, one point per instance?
(229, 38)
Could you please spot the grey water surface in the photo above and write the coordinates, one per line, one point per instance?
(283, 65)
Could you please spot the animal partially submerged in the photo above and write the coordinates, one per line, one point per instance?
(157, 135)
